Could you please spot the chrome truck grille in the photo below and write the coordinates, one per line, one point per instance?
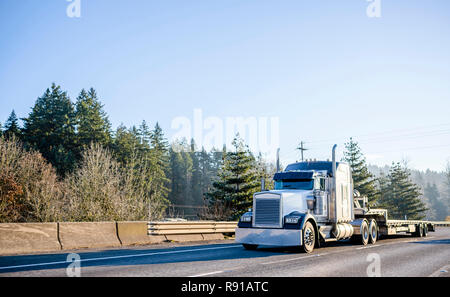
(267, 211)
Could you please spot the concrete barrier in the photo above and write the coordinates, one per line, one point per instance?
(23, 238)
(88, 235)
(135, 233)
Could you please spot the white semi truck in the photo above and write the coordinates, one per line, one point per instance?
(314, 202)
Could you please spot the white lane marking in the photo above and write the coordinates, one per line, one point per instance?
(205, 274)
(417, 239)
(293, 259)
(120, 257)
(368, 247)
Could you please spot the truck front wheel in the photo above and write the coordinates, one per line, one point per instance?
(309, 238)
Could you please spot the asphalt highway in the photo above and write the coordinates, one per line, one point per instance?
(398, 256)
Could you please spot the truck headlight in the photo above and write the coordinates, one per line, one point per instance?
(291, 220)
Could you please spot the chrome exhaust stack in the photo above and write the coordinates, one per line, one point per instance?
(333, 206)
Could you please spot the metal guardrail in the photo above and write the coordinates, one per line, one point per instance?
(190, 227)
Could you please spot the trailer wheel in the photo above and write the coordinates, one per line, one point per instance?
(419, 231)
(250, 247)
(425, 230)
(309, 238)
(373, 230)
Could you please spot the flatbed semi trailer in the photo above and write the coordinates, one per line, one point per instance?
(314, 202)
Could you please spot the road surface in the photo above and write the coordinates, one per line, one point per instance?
(399, 256)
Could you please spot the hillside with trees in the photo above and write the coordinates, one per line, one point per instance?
(66, 163)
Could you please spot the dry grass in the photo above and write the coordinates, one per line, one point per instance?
(100, 189)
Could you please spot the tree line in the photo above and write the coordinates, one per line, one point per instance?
(79, 169)
(396, 190)
(65, 163)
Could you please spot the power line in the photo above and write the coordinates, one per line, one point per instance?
(412, 132)
(302, 149)
(411, 149)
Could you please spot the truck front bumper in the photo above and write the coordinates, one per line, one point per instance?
(275, 237)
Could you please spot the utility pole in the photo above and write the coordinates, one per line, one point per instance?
(302, 149)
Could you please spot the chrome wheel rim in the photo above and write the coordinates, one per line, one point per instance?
(309, 237)
(374, 232)
(365, 233)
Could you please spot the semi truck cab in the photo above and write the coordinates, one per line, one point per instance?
(312, 202)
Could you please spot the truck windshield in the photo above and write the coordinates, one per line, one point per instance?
(296, 184)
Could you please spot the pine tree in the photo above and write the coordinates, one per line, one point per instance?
(12, 128)
(92, 122)
(236, 183)
(196, 181)
(160, 155)
(363, 180)
(265, 171)
(50, 128)
(402, 196)
(180, 174)
(126, 143)
(447, 184)
(145, 134)
(439, 208)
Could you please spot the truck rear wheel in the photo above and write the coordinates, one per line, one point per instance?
(365, 234)
(309, 238)
(373, 230)
(425, 230)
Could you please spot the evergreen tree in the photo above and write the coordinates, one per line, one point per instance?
(180, 174)
(363, 180)
(126, 143)
(145, 134)
(50, 128)
(447, 185)
(265, 171)
(160, 155)
(439, 208)
(401, 196)
(12, 127)
(92, 122)
(233, 190)
(209, 164)
(196, 183)
(383, 186)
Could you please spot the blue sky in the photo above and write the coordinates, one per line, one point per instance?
(323, 67)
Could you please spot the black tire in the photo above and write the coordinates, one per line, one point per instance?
(373, 232)
(364, 237)
(419, 231)
(309, 238)
(425, 230)
(250, 247)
